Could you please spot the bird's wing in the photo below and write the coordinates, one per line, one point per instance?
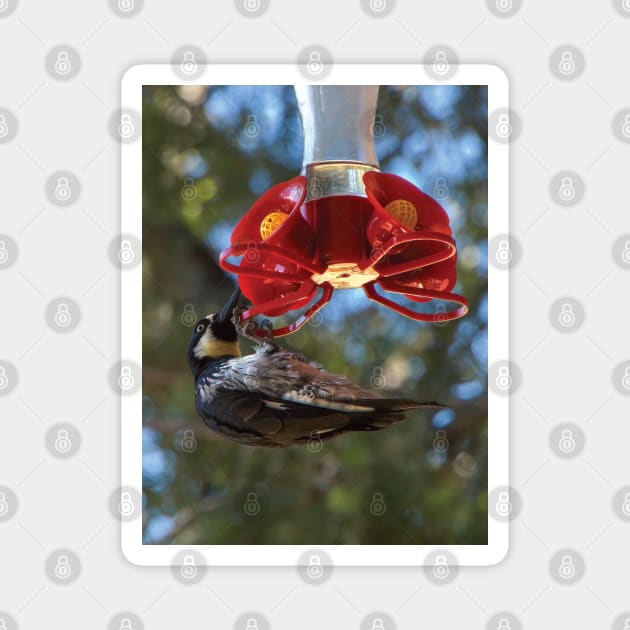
(289, 373)
(263, 420)
(256, 419)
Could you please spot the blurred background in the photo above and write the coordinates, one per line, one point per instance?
(208, 153)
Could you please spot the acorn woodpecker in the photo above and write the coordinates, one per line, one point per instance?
(277, 398)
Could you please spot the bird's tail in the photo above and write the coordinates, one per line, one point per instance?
(395, 404)
(385, 412)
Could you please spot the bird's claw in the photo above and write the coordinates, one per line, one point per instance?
(267, 326)
(267, 340)
(250, 329)
(246, 328)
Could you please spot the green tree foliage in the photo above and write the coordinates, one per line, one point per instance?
(201, 172)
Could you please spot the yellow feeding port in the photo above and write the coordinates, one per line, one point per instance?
(404, 212)
(271, 223)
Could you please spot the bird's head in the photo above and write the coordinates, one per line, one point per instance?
(214, 336)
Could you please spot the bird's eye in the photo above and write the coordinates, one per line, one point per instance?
(200, 327)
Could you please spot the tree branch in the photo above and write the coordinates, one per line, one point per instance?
(187, 516)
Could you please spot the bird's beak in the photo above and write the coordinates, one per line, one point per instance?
(225, 314)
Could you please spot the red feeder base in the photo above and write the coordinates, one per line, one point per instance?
(398, 238)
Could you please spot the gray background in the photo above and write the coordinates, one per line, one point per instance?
(570, 375)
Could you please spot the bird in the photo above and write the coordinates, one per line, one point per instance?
(277, 398)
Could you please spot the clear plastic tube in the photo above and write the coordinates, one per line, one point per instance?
(338, 127)
(338, 123)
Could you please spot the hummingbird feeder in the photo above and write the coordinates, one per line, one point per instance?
(342, 224)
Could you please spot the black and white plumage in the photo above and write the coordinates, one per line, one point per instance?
(277, 398)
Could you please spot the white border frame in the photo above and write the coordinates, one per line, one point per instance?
(131, 320)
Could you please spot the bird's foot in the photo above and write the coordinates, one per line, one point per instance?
(246, 328)
(260, 334)
(269, 345)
